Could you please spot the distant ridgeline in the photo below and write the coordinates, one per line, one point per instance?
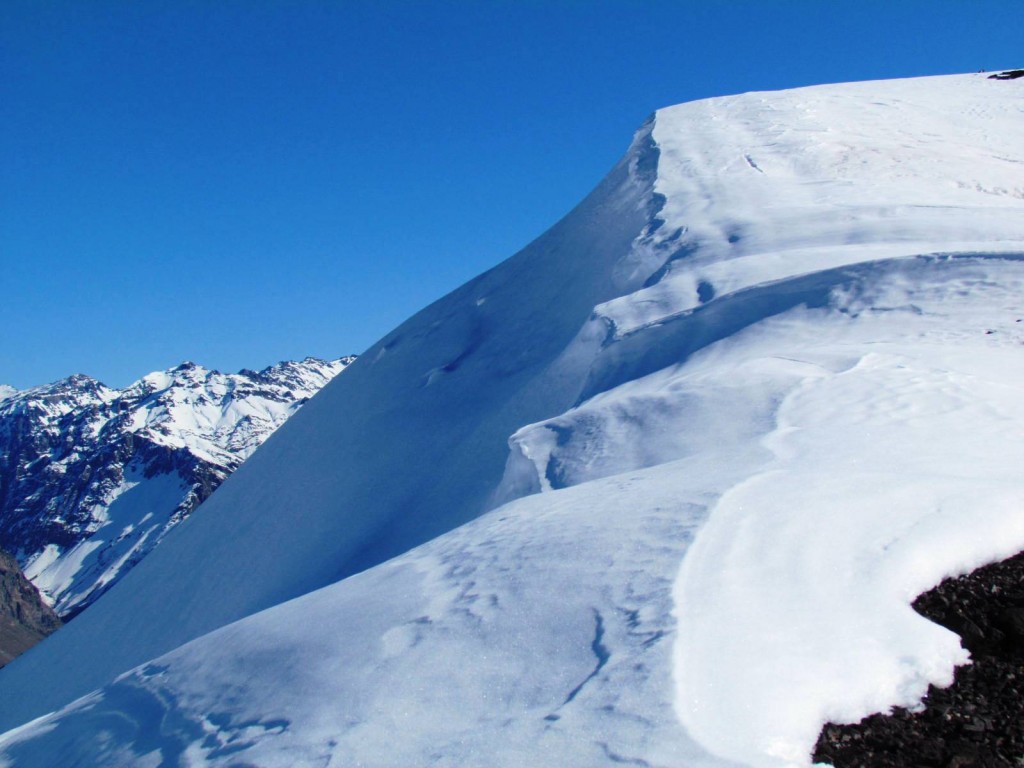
(92, 478)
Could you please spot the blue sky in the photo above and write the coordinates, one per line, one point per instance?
(237, 183)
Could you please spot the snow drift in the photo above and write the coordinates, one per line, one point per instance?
(730, 415)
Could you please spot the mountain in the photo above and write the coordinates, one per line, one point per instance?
(24, 618)
(658, 490)
(92, 478)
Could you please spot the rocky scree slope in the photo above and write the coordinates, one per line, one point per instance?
(92, 478)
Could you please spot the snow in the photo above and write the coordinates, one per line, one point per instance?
(440, 646)
(131, 522)
(7, 392)
(844, 174)
(730, 416)
(196, 408)
(889, 472)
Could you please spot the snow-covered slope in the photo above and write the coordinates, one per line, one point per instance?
(730, 416)
(92, 478)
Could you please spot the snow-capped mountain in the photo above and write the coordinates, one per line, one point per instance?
(92, 478)
(658, 490)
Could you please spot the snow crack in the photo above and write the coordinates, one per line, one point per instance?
(617, 758)
(752, 164)
(601, 652)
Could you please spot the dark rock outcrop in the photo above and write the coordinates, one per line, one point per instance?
(24, 618)
(1010, 74)
(978, 722)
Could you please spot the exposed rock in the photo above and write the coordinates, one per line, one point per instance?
(24, 618)
(1010, 74)
(978, 722)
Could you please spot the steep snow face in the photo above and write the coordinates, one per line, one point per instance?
(409, 443)
(733, 415)
(93, 478)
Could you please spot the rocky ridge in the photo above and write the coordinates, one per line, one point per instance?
(92, 478)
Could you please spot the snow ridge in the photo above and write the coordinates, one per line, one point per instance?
(729, 416)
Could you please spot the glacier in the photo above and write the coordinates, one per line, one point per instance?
(658, 490)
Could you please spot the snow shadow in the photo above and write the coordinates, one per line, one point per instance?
(132, 723)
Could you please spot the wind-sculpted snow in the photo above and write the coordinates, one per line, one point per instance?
(729, 417)
(890, 414)
(886, 476)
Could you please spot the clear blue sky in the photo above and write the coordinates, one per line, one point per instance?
(237, 183)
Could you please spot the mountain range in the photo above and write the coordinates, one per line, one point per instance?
(660, 489)
(92, 478)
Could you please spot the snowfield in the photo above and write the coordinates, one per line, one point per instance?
(659, 490)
